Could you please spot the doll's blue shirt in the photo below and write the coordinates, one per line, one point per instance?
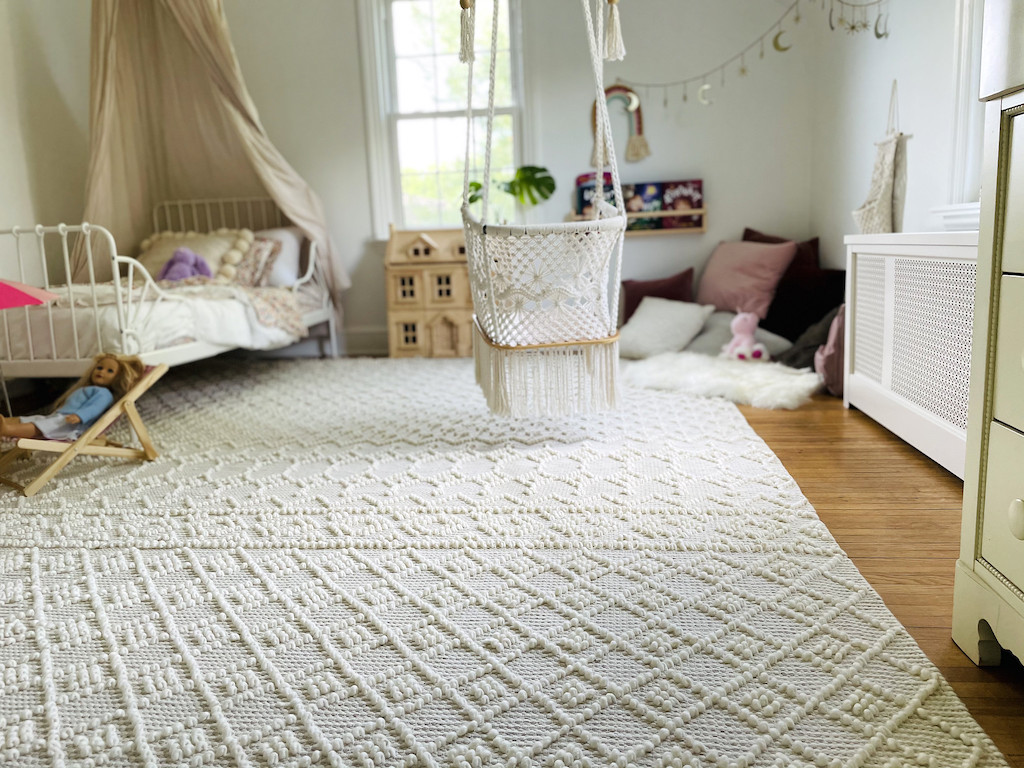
(88, 403)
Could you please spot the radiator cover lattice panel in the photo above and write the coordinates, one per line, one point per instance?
(933, 315)
(869, 330)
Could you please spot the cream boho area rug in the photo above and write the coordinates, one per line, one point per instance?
(351, 563)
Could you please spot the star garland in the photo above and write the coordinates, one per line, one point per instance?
(849, 15)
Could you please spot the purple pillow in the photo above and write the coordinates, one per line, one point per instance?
(678, 287)
(742, 276)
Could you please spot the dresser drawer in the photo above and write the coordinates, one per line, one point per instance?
(1002, 538)
(1008, 390)
(1013, 227)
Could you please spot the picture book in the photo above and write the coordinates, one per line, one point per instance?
(683, 196)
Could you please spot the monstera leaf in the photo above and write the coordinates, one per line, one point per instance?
(530, 185)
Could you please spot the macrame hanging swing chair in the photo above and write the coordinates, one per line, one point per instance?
(546, 296)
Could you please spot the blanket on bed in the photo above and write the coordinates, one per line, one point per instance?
(266, 308)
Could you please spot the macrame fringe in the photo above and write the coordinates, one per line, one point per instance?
(466, 47)
(614, 47)
(637, 148)
(553, 381)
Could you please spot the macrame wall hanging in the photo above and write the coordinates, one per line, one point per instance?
(853, 16)
(636, 146)
(882, 212)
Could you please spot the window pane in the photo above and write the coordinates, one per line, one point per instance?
(429, 80)
(416, 84)
(413, 27)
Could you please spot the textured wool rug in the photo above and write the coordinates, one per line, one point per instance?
(761, 384)
(351, 563)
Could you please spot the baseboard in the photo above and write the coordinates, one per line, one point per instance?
(365, 341)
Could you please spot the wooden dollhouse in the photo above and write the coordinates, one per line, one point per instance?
(430, 308)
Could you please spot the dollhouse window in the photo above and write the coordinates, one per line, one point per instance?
(409, 334)
(407, 287)
(443, 289)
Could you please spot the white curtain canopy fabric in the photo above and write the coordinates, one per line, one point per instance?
(171, 118)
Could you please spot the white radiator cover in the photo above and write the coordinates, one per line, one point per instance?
(910, 316)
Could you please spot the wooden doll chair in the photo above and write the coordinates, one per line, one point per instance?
(91, 442)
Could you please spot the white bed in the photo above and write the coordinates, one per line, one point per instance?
(160, 323)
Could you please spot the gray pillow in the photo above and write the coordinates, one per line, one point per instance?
(802, 353)
(717, 334)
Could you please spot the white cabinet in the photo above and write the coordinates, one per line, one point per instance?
(988, 598)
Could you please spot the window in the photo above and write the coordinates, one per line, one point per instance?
(444, 286)
(421, 100)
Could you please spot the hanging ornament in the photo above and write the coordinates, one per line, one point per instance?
(614, 48)
(466, 52)
(637, 147)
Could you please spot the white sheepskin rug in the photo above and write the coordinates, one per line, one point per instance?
(763, 385)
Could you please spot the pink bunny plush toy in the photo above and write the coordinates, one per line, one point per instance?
(743, 346)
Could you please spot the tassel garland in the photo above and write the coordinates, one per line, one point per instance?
(466, 52)
(615, 48)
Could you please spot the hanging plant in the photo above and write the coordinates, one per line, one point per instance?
(530, 185)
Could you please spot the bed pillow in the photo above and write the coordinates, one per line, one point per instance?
(285, 270)
(805, 292)
(661, 325)
(679, 287)
(221, 250)
(717, 333)
(741, 277)
(255, 268)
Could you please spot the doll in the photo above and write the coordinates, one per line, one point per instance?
(107, 380)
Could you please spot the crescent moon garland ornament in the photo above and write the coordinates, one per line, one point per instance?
(879, 34)
(637, 147)
(849, 15)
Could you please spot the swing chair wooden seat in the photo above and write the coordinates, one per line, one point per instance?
(91, 442)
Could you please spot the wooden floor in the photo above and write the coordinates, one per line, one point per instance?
(897, 515)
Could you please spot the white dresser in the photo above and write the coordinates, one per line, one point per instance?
(988, 601)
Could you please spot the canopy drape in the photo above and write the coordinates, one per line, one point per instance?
(170, 118)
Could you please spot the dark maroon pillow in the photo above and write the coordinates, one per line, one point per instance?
(676, 288)
(806, 252)
(806, 292)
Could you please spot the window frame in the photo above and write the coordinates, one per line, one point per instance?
(380, 106)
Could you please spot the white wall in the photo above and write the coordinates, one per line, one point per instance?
(749, 146)
(851, 94)
(15, 196)
(787, 148)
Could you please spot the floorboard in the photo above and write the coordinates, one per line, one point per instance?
(897, 514)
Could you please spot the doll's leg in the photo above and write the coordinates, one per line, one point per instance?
(14, 427)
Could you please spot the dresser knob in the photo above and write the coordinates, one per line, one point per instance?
(1016, 514)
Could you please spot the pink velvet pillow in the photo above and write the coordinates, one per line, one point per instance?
(741, 276)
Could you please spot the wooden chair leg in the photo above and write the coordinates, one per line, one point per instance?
(47, 474)
(140, 430)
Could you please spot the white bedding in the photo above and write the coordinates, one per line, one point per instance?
(217, 314)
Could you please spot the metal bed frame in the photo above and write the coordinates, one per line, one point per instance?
(43, 259)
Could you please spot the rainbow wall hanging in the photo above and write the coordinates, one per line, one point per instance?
(636, 148)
